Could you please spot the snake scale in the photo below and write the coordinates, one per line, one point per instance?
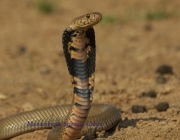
(70, 122)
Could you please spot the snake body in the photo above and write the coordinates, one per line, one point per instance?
(70, 121)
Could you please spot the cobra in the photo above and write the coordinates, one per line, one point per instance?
(76, 119)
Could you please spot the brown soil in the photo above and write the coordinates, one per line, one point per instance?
(34, 74)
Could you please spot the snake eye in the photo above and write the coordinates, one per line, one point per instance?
(87, 16)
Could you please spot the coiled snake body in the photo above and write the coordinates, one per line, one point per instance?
(74, 120)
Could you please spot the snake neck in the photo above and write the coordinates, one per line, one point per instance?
(78, 51)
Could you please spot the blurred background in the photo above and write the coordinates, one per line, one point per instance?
(134, 38)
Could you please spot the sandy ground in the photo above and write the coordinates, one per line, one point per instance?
(129, 50)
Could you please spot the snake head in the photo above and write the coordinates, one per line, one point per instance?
(85, 21)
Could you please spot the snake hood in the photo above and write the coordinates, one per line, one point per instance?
(85, 21)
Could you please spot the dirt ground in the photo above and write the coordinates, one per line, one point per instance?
(132, 42)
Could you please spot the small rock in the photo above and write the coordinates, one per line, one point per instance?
(138, 109)
(27, 107)
(114, 83)
(161, 79)
(2, 96)
(162, 106)
(151, 94)
(164, 69)
(148, 27)
(21, 49)
(45, 70)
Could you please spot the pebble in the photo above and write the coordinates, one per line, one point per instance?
(162, 106)
(21, 49)
(45, 70)
(151, 94)
(27, 107)
(148, 27)
(164, 69)
(138, 109)
(161, 79)
(2, 96)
